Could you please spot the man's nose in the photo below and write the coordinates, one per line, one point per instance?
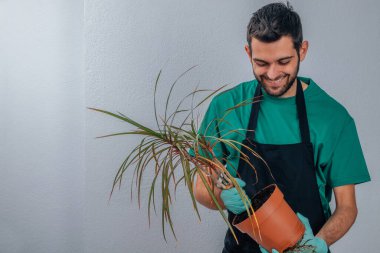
(273, 72)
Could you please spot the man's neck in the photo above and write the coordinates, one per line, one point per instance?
(293, 90)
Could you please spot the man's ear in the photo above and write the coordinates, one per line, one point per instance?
(303, 49)
(248, 51)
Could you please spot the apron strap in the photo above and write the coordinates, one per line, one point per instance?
(254, 113)
(301, 111)
(302, 115)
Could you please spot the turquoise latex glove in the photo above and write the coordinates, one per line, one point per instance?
(309, 238)
(232, 200)
(265, 251)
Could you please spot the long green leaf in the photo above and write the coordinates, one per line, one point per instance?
(130, 121)
(172, 87)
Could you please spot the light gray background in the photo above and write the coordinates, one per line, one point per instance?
(57, 57)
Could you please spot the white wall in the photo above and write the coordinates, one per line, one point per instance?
(41, 126)
(55, 178)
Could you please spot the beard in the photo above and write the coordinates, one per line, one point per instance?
(278, 92)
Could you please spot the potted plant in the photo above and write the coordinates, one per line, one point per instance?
(166, 149)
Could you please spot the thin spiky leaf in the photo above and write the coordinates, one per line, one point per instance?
(130, 121)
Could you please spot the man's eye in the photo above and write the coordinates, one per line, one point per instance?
(261, 64)
(283, 62)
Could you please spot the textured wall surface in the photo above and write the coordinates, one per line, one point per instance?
(41, 126)
(57, 57)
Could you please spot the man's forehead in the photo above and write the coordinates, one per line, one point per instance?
(276, 50)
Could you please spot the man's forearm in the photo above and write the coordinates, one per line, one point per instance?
(203, 196)
(338, 224)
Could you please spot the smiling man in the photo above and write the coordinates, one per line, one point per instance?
(276, 64)
(306, 137)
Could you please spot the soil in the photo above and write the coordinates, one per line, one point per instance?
(257, 201)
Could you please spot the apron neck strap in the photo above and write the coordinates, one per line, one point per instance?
(301, 111)
(302, 115)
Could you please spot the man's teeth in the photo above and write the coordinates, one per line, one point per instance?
(276, 81)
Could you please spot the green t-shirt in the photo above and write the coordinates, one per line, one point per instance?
(338, 156)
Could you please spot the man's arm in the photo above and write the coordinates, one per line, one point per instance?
(343, 217)
(203, 196)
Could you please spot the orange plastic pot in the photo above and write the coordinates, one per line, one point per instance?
(274, 225)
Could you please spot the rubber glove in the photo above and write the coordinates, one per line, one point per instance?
(232, 200)
(309, 238)
(265, 251)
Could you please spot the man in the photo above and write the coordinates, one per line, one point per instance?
(308, 139)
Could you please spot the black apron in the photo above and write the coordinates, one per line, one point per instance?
(292, 167)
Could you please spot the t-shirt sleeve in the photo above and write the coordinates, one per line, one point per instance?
(209, 128)
(347, 164)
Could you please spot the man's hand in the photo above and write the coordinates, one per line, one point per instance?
(232, 200)
(319, 244)
(309, 238)
(265, 251)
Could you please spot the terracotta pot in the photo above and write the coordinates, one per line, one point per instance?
(278, 226)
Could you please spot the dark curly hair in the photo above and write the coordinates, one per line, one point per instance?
(271, 22)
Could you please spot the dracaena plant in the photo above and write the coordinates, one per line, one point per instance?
(164, 152)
